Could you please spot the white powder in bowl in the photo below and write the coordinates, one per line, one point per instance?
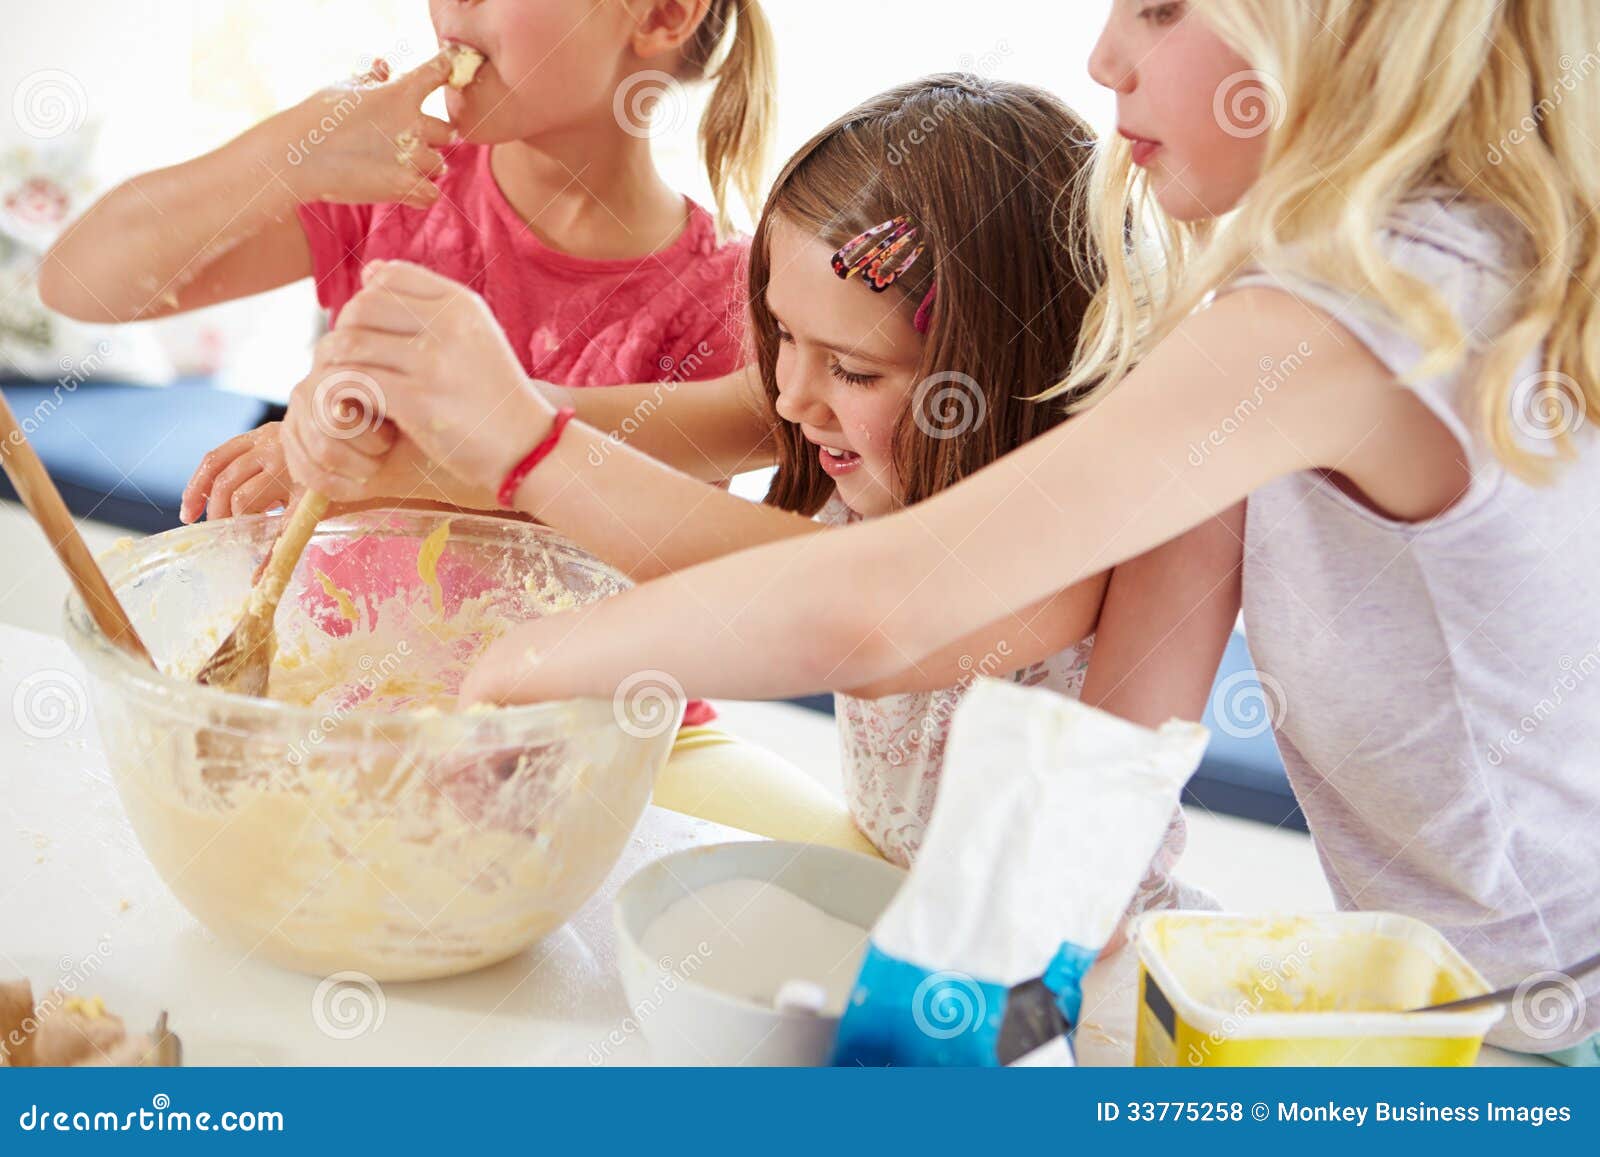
(748, 938)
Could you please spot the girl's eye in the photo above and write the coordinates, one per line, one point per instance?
(1162, 15)
(849, 378)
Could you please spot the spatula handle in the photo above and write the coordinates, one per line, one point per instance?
(43, 500)
(290, 545)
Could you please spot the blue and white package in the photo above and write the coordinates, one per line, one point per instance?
(1048, 815)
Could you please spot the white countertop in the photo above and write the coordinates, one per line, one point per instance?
(79, 901)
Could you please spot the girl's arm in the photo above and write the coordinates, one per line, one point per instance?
(1165, 623)
(1171, 447)
(223, 225)
(407, 331)
(636, 513)
(710, 430)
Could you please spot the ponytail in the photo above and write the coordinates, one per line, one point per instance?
(736, 130)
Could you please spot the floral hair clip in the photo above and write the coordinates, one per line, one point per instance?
(881, 255)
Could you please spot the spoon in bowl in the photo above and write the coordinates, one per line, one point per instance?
(243, 662)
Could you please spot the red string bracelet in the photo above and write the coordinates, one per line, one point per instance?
(508, 488)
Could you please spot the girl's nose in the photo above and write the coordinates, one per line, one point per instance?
(1108, 65)
(799, 401)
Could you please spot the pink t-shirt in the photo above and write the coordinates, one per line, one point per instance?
(676, 314)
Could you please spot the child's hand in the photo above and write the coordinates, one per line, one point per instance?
(364, 141)
(423, 353)
(247, 474)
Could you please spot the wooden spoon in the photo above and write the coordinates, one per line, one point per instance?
(244, 660)
(43, 500)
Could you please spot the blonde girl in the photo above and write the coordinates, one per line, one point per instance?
(877, 400)
(1360, 291)
(540, 192)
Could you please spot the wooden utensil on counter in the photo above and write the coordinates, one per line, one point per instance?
(43, 500)
(244, 660)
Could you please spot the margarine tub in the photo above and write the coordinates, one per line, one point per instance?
(1319, 990)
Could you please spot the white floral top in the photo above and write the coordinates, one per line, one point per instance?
(892, 750)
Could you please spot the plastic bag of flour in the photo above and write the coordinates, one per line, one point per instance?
(1047, 818)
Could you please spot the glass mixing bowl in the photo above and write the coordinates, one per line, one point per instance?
(355, 820)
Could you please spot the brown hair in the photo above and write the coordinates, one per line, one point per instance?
(993, 175)
(736, 128)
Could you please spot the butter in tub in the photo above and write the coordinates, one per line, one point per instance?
(1335, 989)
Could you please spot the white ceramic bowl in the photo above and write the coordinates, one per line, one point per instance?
(689, 1024)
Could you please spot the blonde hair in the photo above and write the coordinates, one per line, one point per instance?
(736, 128)
(1365, 112)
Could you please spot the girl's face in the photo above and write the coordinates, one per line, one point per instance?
(549, 64)
(1197, 118)
(847, 362)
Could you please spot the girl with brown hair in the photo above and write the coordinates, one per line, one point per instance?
(918, 263)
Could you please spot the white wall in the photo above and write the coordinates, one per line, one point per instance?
(166, 79)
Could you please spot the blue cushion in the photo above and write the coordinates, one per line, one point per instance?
(122, 454)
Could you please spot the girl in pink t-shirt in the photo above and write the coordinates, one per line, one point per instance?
(540, 193)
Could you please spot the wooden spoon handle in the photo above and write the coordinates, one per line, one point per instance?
(286, 551)
(43, 500)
